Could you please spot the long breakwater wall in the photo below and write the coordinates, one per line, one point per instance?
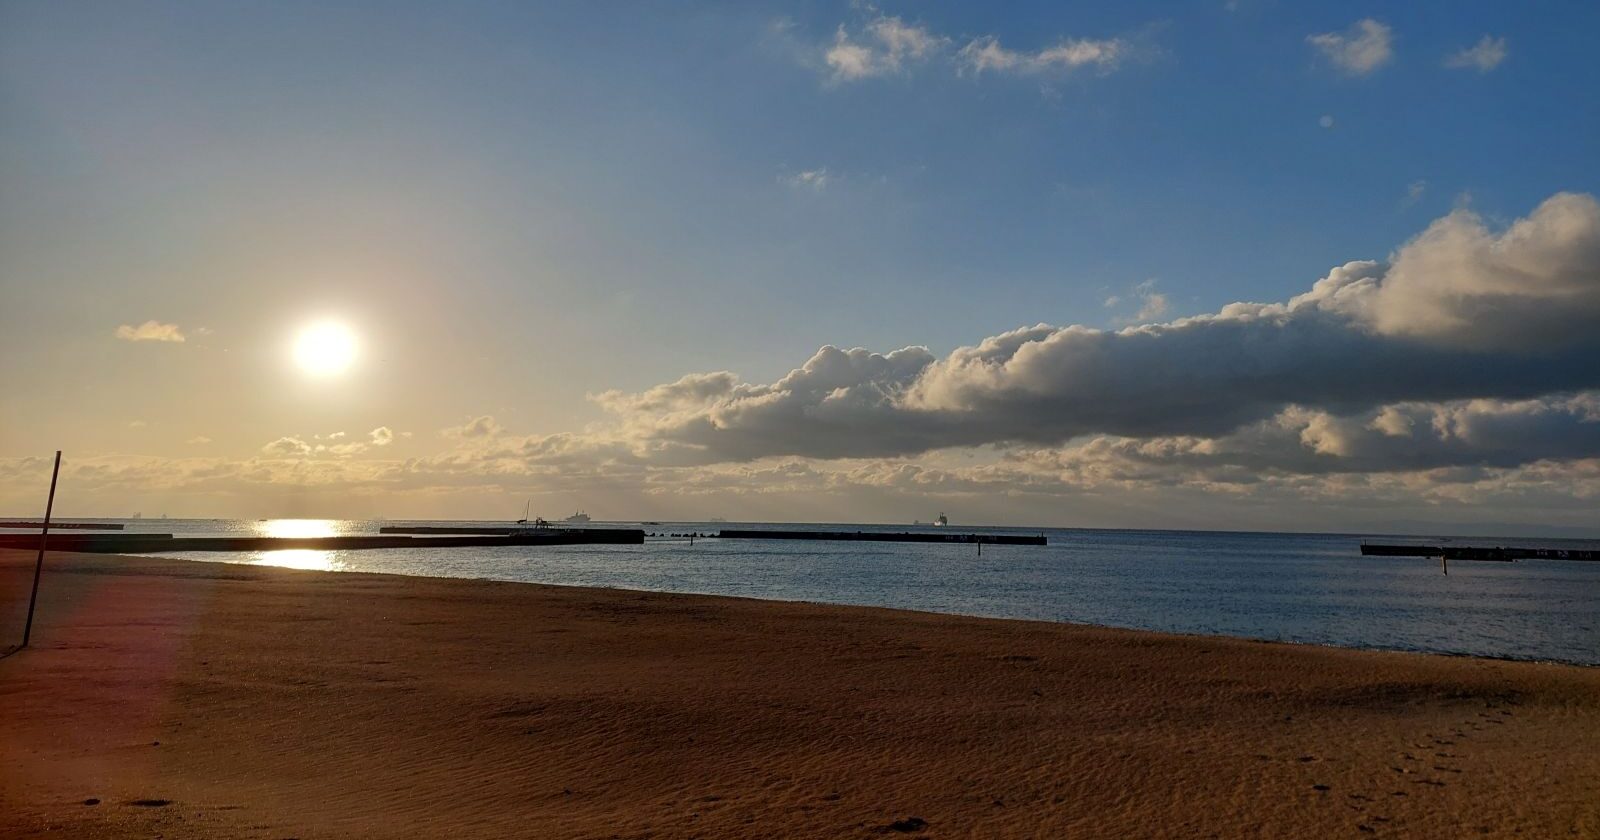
(885, 536)
(1469, 552)
(165, 543)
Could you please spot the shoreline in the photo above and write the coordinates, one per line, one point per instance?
(857, 605)
(1586, 536)
(260, 701)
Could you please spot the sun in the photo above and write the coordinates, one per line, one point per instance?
(325, 349)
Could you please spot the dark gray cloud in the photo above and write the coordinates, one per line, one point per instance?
(1409, 437)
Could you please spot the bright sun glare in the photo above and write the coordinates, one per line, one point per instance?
(325, 349)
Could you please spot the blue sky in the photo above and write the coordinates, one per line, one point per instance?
(525, 204)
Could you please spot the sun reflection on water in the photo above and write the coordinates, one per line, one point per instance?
(298, 558)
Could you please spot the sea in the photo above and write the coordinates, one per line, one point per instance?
(1312, 589)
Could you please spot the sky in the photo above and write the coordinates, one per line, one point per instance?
(1244, 264)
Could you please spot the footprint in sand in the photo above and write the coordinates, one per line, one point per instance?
(908, 825)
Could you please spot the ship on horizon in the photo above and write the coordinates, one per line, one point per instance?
(937, 523)
(579, 518)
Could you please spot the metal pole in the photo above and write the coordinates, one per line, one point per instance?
(44, 536)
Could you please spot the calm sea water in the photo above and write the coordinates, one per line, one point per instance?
(1306, 588)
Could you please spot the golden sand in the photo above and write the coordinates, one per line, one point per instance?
(191, 699)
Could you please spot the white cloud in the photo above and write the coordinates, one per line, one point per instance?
(1151, 304)
(198, 440)
(1534, 285)
(851, 61)
(484, 426)
(1414, 191)
(150, 331)
(1359, 50)
(1482, 56)
(815, 180)
(288, 447)
(904, 41)
(381, 436)
(1393, 422)
(1326, 121)
(987, 54)
(888, 46)
(1154, 306)
(291, 446)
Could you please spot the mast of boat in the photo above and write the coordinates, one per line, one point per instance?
(526, 506)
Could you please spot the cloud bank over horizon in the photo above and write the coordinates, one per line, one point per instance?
(1461, 370)
(1459, 313)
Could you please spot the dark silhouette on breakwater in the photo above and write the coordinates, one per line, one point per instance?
(883, 536)
(1467, 552)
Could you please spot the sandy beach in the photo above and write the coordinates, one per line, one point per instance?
(180, 699)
